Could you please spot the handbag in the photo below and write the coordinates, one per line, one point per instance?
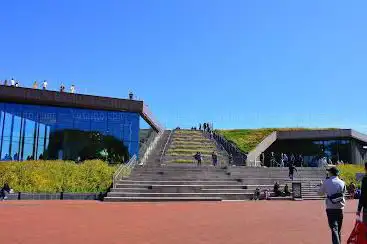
(359, 234)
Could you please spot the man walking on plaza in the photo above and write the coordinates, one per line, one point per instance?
(334, 188)
(362, 205)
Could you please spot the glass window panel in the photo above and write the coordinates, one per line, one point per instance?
(2, 114)
(5, 150)
(17, 128)
(81, 119)
(27, 151)
(133, 148)
(47, 115)
(29, 129)
(15, 151)
(7, 126)
(135, 127)
(99, 122)
(64, 118)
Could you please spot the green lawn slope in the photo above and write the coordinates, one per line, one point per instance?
(248, 139)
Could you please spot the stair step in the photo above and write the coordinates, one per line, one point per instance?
(159, 199)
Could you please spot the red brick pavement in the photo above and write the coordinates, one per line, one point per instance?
(85, 222)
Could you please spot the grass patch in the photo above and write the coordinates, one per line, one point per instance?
(57, 176)
(193, 147)
(348, 172)
(188, 154)
(194, 132)
(192, 151)
(247, 139)
(187, 161)
(198, 140)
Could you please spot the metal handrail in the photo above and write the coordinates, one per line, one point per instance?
(145, 146)
(165, 146)
(237, 154)
(150, 146)
(118, 174)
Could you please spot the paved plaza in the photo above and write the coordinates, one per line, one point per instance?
(41, 222)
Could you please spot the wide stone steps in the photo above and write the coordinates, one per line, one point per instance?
(160, 199)
(222, 195)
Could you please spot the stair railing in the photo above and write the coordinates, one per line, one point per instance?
(238, 157)
(148, 147)
(122, 169)
(165, 146)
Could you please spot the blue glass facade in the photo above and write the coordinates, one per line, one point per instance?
(34, 132)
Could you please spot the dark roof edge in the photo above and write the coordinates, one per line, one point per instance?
(65, 99)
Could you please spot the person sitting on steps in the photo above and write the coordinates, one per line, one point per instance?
(286, 190)
(4, 191)
(256, 194)
(277, 192)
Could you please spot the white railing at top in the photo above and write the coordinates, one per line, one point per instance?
(123, 167)
(165, 146)
(150, 146)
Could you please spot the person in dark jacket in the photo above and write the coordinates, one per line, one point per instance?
(362, 205)
(215, 159)
(291, 168)
(277, 192)
(3, 191)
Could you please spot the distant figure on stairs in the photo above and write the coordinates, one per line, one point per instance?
(230, 159)
(286, 190)
(291, 169)
(199, 126)
(214, 159)
(199, 158)
(256, 194)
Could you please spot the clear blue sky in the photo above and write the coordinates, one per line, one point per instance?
(240, 64)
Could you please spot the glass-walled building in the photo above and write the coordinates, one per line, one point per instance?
(50, 132)
(316, 147)
(311, 151)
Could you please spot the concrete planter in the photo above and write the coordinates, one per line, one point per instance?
(55, 196)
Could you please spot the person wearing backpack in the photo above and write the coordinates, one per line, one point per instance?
(334, 189)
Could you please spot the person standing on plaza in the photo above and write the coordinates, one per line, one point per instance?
(5, 82)
(44, 85)
(334, 188)
(35, 85)
(362, 205)
(199, 126)
(198, 158)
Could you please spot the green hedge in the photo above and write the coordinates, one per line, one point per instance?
(348, 172)
(57, 176)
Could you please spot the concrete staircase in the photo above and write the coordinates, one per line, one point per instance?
(184, 144)
(308, 177)
(177, 178)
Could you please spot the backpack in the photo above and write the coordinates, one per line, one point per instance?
(337, 197)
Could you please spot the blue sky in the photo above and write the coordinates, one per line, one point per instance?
(240, 64)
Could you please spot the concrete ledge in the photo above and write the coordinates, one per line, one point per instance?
(55, 196)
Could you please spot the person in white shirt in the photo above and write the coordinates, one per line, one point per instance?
(72, 89)
(334, 189)
(12, 82)
(44, 85)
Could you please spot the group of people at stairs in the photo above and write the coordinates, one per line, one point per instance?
(199, 158)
